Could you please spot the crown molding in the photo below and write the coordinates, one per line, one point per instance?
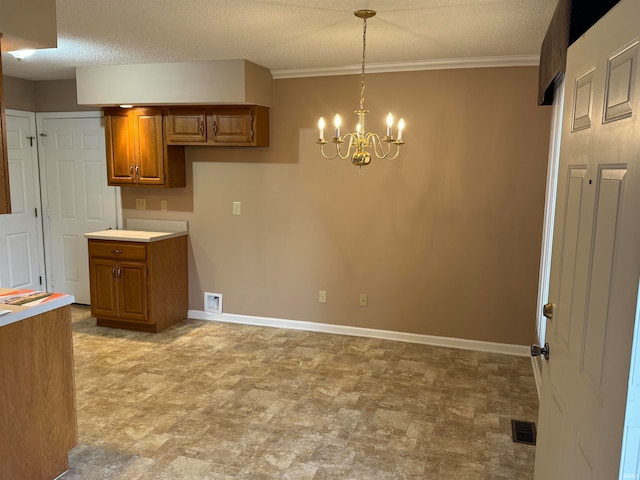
(440, 64)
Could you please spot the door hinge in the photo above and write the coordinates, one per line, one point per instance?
(40, 279)
(31, 141)
(36, 211)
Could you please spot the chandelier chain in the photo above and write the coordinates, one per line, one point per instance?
(364, 51)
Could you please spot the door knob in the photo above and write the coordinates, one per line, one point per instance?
(547, 310)
(537, 350)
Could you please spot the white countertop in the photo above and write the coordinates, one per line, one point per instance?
(133, 235)
(36, 307)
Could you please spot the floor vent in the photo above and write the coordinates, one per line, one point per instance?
(523, 432)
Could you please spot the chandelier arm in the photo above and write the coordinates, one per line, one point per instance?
(350, 144)
(329, 157)
(378, 149)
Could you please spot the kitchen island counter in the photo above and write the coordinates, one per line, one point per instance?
(38, 423)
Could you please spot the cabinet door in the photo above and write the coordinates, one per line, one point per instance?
(104, 294)
(185, 126)
(231, 125)
(119, 134)
(149, 157)
(132, 291)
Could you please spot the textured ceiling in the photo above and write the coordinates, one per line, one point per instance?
(285, 36)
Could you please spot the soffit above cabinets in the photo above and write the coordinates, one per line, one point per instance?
(189, 83)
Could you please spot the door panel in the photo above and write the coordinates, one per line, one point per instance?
(103, 285)
(21, 247)
(595, 265)
(76, 195)
(132, 277)
(149, 149)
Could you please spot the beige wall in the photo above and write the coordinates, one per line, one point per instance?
(43, 96)
(28, 24)
(19, 94)
(445, 240)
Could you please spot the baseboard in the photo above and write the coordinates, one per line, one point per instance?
(536, 365)
(491, 347)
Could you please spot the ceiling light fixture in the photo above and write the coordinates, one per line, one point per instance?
(22, 54)
(363, 143)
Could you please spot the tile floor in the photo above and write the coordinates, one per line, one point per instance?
(204, 400)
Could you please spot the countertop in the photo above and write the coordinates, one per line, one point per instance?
(133, 235)
(33, 302)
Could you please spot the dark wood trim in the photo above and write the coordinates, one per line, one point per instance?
(5, 194)
(571, 19)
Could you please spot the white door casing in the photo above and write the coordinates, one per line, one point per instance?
(595, 266)
(75, 195)
(21, 244)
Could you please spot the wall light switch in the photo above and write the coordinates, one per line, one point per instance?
(163, 205)
(237, 208)
(141, 203)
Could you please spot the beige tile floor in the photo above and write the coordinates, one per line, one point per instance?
(204, 400)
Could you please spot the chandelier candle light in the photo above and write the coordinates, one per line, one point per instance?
(362, 143)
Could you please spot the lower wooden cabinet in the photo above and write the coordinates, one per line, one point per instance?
(139, 285)
(38, 423)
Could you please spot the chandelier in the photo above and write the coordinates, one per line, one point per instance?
(362, 143)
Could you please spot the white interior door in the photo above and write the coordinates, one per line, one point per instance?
(21, 249)
(76, 197)
(595, 266)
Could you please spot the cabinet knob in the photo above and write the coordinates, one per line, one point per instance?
(113, 272)
(131, 170)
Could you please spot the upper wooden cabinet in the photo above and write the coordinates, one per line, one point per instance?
(186, 126)
(5, 194)
(244, 125)
(136, 153)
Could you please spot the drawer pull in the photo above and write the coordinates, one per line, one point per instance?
(119, 273)
(116, 252)
(113, 272)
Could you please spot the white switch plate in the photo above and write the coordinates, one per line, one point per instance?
(322, 296)
(163, 205)
(141, 203)
(364, 300)
(237, 208)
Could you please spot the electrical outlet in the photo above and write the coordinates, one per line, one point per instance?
(364, 300)
(141, 203)
(237, 208)
(322, 296)
(163, 206)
